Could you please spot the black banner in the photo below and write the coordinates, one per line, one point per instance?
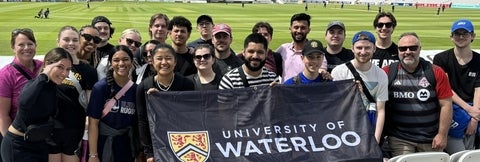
(322, 122)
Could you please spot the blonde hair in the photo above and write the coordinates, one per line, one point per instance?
(130, 31)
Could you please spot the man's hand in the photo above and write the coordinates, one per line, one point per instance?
(439, 142)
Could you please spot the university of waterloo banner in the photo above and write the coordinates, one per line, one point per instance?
(322, 122)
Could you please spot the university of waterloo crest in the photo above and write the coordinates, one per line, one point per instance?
(190, 146)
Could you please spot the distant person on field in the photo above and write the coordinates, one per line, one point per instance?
(312, 56)
(438, 11)
(386, 50)
(204, 27)
(335, 53)
(393, 8)
(426, 129)
(461, 65)
(443, 7)
(292, 52)
(368, 6)
(46, 13)
(40, 14)
(88, 4)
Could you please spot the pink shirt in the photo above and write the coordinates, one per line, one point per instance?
(12, 82)
(292, 61)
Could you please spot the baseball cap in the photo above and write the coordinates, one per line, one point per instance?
(335, 23)
(100, 19)
(204, 17)
(462, 24)
(222, 28)
(363, 35)
(313, 46)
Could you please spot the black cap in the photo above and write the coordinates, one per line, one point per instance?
(100, 19)
(313, 46)
(204, 17)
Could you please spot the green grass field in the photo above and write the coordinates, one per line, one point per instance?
(433, 30)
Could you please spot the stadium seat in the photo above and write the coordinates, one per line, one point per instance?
(422, 157)
(454, 157)
(470, 156)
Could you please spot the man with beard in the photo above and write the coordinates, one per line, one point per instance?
(106, 31)
(461, 65)
(226, 58)
(157, 30)
(204, 27)
(419, 110)
(386, 52)
(292, 52)
(179, 30)
(335, 53)
(374, 81)
(251, 73)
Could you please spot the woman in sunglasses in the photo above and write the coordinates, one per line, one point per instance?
(73, 95)
(164, 61)
(16, 74)
(89, 38)
(146, 69)
(205, 78)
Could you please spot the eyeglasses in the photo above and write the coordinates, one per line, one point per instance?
(136, 43)
(463, 34)
(205, 57)
(381, 25)
(404, 48)
(23, 30)
(89, 37)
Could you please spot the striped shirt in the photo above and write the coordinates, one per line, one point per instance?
(233, 80)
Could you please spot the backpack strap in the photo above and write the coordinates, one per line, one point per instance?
(296, 79)
(357, 77)
(278, 62)
(393, 70)
(428, 70)
(19, 69)
(243, 77)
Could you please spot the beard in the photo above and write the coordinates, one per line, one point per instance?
(249, 66)
(299, 40)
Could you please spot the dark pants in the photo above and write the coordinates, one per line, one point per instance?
(15, 148)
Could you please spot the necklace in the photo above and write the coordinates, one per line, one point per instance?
(167, 87)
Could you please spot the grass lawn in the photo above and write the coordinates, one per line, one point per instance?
(433, 30)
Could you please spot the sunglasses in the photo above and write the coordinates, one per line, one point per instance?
(404, 48)
(23, 30)
(131, 41)
(381, 25)
(89, 38)
(205, 57)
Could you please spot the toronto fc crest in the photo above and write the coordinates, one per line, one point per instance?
(190, 146)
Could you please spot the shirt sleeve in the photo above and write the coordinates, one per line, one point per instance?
(443, 85)
(143, 125)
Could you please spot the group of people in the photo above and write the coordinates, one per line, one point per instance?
(90, 91)
(43, 14)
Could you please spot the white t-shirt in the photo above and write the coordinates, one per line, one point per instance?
(376, 80)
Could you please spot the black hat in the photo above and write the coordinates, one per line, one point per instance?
(204, 17)
(313, 46)
(100, 19)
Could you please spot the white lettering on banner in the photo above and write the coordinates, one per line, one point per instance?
(403, 95)
(287, 129)
(284, 144)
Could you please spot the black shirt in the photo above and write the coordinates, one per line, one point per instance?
(180, 83)
(333, 60)
(384, 57)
